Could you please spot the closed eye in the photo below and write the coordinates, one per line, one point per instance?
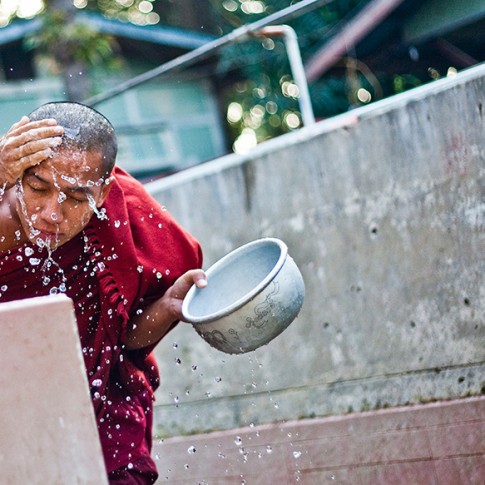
(78, 200)
(37, 189)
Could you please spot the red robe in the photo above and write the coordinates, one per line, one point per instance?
(112, 270)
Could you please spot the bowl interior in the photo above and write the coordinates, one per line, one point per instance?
(235, 279)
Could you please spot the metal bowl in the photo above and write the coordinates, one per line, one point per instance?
(253, 294)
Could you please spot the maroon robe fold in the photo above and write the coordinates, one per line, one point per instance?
(112, 270)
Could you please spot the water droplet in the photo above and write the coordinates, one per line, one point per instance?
(29, 251)
(178, 361)
(61, 198)
(97, 383)
(269, 449)
(4, 288)
(191, 450)
(175, 345)
(238, 440)
(53, 291)
(296, 454)
(159, 275)
(218, 379)
(129, 466)
(117, 223)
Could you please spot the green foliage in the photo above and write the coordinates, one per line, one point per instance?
(262, 67)
(66, 41)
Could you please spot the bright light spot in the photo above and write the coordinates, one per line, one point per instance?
(259, 92)
(80, 3)
(246, 140)
(434, 73)
(22, 8)
(271, 107)
(268, 44)
(290, 90)
(452, 72)
(292, 120)
(253, 7)
(125, 3)
(152, 18)
(234, 112)
(145, 7)
(257, 111)
(140, 18)
(230, 5)
(363, 95)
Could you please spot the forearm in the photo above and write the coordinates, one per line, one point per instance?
(150, 326)
(157, 318)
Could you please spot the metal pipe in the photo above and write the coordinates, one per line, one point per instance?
(206, 50)
(352, 32)
(296, 65)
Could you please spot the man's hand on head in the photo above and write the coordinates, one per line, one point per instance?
(26, 144)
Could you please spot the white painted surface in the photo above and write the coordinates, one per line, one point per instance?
(48, 431)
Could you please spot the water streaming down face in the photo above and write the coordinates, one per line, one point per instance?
(67, 217)
(42, 244)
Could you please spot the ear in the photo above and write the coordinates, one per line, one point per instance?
(105, 191)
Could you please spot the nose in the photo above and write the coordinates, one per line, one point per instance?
(51, 211)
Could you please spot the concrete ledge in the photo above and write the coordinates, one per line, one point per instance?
(440, 443)
(382, 209)
(48, 432)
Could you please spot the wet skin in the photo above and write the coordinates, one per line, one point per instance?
(56, 198)
(51, 194)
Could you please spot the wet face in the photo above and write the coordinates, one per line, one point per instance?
(57, 198)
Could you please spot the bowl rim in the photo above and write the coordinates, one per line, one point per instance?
(187, 317)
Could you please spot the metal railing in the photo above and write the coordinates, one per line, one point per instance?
(259, 27)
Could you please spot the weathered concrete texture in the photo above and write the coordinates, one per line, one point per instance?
(439, 443)
(383, 210)
(48, 431)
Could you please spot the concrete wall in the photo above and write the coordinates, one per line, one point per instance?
(383, 210)
(425, 444)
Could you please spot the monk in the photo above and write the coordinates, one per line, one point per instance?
(71, 221)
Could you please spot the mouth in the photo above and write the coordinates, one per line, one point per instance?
(46, 235)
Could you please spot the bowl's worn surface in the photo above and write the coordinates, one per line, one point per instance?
(253, 294)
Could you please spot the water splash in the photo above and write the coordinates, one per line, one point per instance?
(2, 190)
(100, 213)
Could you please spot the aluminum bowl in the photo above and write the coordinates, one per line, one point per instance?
(253, 294)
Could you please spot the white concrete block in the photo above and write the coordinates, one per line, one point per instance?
(48, 431)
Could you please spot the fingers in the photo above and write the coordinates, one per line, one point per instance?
(199, 278)
(183, 284)
(24, 132)
(191, 277)
(26, 144)
(33, 152)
